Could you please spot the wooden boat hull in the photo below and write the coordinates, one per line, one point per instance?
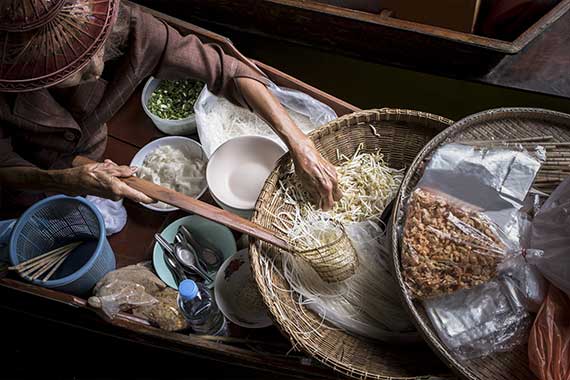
(129, 130)
(374, 37)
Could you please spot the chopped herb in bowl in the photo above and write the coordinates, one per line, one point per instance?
(174, 99)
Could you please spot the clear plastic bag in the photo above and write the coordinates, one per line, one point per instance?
(477, 322)
(218, 120)
(462, 221)
(549, 343)
(136, 289)
(125, 289)
(550, 238)
(120, 295)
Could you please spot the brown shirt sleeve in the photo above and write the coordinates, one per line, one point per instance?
(188, 57)
(9, 158)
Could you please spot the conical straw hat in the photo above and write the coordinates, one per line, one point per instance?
(43, 42)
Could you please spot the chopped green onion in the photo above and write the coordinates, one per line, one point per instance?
(174, 99)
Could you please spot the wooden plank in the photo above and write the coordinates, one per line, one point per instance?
(540, 65)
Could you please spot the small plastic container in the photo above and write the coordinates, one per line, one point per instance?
(185, 126)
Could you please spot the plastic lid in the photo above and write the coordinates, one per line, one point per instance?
(188, 289)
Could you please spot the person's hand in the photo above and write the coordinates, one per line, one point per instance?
(102, 179)
(317, 175)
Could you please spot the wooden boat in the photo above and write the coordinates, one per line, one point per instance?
(129, 130)
(375, 37)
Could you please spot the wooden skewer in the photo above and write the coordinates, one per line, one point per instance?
(52, 252)
(523, 139)
(40, 264)
(45, 269)
(56, 267)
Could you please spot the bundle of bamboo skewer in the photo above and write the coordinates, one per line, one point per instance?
(46, 264)
(557, 166)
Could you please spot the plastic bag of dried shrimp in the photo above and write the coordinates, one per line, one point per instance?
(463, 221)
(462, 253)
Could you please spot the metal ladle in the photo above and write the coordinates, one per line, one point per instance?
(170, 259)
(186, 257)
(211, 258)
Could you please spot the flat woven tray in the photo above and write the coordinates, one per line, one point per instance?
(401, 135)
(504, 123)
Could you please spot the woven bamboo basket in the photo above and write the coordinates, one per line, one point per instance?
(501, 124)
(401, 134)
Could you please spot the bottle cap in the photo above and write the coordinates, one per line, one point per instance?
(188, 289)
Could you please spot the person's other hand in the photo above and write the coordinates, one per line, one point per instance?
(102, 179)
(317, 175)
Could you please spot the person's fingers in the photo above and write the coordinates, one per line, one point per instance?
(134, 195)
(121, 171)
(326, 194)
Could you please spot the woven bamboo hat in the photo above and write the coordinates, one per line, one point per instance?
(44, 42)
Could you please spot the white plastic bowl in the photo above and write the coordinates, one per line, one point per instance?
(186, 126)
(192, 149)
(237, 295)
(238, 169)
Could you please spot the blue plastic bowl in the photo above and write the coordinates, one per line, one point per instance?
(54, 222)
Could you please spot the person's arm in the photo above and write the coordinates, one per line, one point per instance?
(318, 175)
(100, 179)
(188, 57)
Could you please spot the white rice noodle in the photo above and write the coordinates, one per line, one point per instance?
(367, 303)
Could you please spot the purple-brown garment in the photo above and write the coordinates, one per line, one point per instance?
(36, 129)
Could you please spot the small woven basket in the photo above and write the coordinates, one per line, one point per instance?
(400, 135)
(498, 124)
(336, 261)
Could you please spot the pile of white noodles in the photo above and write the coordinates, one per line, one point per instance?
(170, 167)
(226, 121)
(367, 303)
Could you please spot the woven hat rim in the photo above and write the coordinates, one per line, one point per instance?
(55, 77)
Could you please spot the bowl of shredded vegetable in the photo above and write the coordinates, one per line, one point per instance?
(170, 104)
(175, 162)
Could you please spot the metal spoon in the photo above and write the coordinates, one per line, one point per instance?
(188, 260)
(181, 239)
(170, 259)
(212, 258)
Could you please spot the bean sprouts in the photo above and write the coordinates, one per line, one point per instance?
(366, 303)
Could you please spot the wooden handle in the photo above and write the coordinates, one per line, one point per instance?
(195, 206)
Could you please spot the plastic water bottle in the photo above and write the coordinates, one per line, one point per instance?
(200, 310)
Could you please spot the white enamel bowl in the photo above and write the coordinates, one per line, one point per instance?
(238, 169)
(190, 148)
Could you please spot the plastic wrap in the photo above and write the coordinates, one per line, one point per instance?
(462, 221)
(550, 238)
(137, 290)
(214, 131)
(549, 343)
(477, 322)
(126, 288)
(462, 252)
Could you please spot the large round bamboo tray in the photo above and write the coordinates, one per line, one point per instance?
(401, 134)
(504, 123)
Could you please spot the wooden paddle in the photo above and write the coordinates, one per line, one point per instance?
(195, 206)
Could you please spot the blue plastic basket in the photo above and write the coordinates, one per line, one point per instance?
(54, 222)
